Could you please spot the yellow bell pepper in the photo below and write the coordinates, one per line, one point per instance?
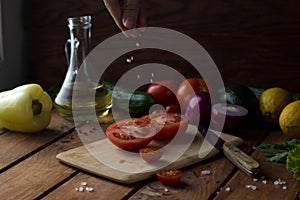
(26, 108)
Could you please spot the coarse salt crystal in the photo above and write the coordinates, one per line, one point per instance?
(89, 189)
(255, 179)
(248, 186)
(253, 187)
(131, 58)
(264, 181)
(80, 189)
(137, 44)
(83, 183)
(166, 189)
(205, 172)
(128, 60)
(284, 187)
(138, 76)
(227, 189)
(276, 182)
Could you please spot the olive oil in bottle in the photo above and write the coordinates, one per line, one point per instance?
(84, 104)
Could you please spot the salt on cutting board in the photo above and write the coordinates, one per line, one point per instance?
(91, 156)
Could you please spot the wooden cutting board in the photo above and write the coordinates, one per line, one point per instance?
(99, 157)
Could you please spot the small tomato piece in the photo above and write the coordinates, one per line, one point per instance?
(169, 177)
(150, 154)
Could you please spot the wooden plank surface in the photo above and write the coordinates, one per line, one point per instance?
(38, 173)
(271, 171)
(197, 186)
(17, 146)
(102, 189)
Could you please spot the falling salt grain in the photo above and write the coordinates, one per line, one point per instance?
(138, 76)
(137, 44)
(128, 60)
(166, 190)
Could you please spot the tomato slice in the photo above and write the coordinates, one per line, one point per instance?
(131, 134)
(150, 154)
(167, 124)
(169, 177)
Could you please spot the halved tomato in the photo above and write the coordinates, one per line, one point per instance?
(187, 88)
(150, 154)
(131, 134)
(167, 124)
(169, 177)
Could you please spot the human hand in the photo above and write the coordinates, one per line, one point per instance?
(127, 14)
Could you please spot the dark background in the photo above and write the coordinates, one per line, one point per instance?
(252, 42)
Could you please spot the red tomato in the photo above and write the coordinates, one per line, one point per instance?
(150, 154)
(169, 177)
(130, 134)
(167, 124)
(186, 90)
(175, 108)
(162, 92)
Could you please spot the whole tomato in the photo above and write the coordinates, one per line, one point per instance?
(163, 92)
(186, 90)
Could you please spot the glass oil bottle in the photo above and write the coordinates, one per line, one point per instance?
(79, 42)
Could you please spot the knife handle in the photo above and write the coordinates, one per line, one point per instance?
(243, 161)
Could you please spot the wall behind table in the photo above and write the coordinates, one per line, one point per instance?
(252, 42)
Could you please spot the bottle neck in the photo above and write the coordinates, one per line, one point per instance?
(80, 38)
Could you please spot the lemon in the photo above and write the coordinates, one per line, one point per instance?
(272, 101)
(289, 120)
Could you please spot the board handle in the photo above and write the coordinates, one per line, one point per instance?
(240, 159)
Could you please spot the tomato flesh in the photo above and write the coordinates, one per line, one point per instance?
(130, 134)
(150, 154)
(169, 177)
(167, 124)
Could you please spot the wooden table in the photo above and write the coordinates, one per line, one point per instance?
(29, 170)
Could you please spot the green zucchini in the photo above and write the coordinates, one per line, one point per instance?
(139, 101)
